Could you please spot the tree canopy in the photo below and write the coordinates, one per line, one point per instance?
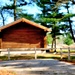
(15, 9)
(54, 19)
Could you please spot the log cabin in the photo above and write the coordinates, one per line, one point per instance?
(23, 33)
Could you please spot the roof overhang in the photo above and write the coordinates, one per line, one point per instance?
(26, 21)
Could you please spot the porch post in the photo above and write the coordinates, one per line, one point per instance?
(45, 42)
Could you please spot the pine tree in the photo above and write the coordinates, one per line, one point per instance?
(67, 4)
(51, 18)
(14, 9)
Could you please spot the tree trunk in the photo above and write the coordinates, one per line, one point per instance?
(52, 44)
(70, 24)
(55, 44)
(14, 10)
(2, 18)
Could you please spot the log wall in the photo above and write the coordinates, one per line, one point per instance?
(22, 35)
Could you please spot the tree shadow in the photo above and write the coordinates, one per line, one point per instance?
(40, 67)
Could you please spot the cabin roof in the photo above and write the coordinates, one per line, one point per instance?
(26, 21)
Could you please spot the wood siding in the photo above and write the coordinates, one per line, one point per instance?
(22, 35)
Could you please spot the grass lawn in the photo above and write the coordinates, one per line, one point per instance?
(39, 56)
(66, 50)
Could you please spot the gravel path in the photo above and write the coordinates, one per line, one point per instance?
(39, 67)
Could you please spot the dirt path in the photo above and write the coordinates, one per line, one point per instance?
(39, 67)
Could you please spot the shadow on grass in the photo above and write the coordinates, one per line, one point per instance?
(21, 57)
(73, 57)
(4, 58)
(28, 57)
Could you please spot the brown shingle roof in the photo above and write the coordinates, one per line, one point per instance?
(26, 21)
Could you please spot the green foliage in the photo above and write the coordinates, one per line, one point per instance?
(51, 17)
(49, 39)
(68, 39)
(48, 20)
(65, 17)
(64, 27)
(27, 16)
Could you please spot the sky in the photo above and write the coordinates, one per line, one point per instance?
(71, 10)
(30, 10)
